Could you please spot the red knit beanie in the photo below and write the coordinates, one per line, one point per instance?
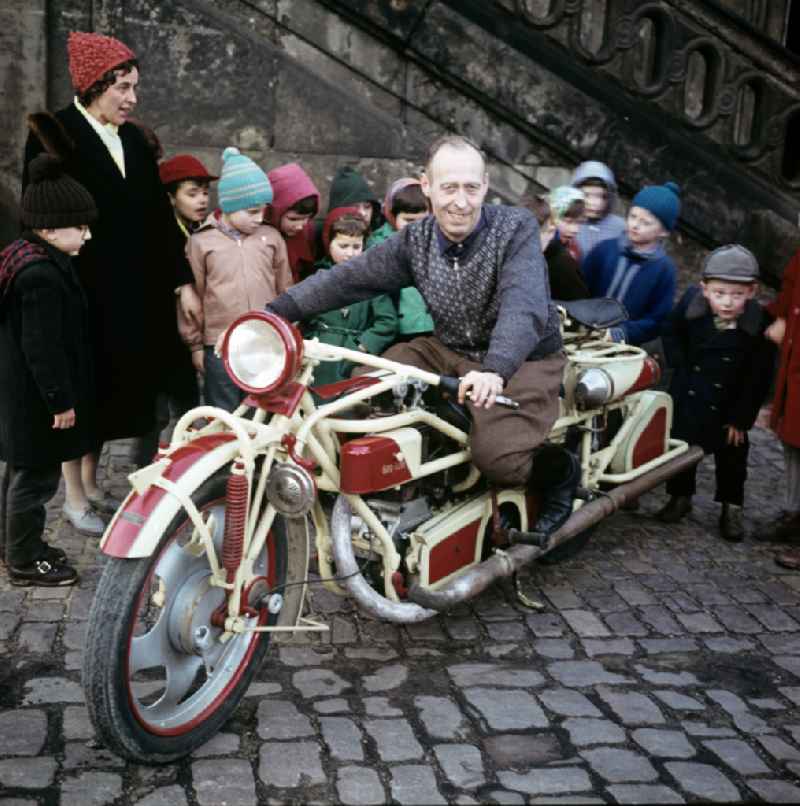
(93, 55)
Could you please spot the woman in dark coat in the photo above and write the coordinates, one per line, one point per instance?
(134, 263)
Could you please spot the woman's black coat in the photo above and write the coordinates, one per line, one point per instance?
(722, 377)
(129, 268)
(45, 364)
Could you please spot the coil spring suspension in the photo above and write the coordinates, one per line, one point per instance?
(235, 519)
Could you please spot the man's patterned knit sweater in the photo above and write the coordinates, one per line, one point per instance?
(490, 304)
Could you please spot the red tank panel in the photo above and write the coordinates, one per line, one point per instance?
(369, 464)
(651, 441)
(454, 553)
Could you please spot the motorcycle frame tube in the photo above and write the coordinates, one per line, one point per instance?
(324, 545)
(391, 559)
(328, 352)
(594, 465)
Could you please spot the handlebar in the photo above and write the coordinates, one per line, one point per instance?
(450, 384)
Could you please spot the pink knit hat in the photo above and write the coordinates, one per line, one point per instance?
(93, 55)
(394, 189)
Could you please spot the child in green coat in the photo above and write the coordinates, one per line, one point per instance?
(405, 203)
(369, 326)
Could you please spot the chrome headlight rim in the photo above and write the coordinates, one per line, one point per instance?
(290, 339)
(597, 392)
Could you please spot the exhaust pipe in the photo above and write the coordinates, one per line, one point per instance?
(367, 597)
(507, 563)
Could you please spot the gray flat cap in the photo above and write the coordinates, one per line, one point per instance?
(731, 262)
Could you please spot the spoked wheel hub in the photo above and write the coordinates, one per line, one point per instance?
(190, 629)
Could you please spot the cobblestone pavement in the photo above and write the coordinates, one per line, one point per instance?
(664, 668)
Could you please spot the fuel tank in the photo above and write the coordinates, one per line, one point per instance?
(380, 461)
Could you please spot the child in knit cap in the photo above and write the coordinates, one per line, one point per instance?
(239, 264)
(187, 182)
(634, 268)
(350, 189)
(47, 396)
(714, 340)
(404, 204)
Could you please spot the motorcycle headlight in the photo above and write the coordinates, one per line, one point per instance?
(261, 352)
(594, 387)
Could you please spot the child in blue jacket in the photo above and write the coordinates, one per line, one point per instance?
(634, 268)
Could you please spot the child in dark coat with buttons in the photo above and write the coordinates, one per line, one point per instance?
(47, 410)
(714, 340)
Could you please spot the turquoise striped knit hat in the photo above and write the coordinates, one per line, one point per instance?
(242, 183)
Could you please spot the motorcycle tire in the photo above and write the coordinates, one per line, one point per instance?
(151, 697)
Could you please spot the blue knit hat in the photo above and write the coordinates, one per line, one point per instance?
(242, 183)
(663, 201)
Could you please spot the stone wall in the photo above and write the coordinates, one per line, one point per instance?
(301, 80)
(23, 88)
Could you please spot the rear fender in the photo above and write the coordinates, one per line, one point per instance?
(138, 525)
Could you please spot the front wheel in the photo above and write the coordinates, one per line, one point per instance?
(158, 681)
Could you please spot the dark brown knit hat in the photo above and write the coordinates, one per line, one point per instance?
(53, 199)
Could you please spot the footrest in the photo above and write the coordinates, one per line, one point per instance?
(539, 539)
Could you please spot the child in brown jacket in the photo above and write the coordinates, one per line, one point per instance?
(239, 264)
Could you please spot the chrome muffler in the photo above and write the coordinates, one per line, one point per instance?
(367, 597)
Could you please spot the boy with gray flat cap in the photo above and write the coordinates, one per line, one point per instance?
(714, 341)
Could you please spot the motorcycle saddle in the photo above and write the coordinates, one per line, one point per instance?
(597, 314)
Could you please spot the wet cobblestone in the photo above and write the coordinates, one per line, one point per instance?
(665, 668)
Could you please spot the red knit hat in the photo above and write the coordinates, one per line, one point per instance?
(93, 55)
(184, 166)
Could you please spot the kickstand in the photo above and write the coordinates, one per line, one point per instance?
(525, 601)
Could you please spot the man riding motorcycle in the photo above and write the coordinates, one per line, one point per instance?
(481, 273)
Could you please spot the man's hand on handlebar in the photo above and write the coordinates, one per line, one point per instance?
(480, 387)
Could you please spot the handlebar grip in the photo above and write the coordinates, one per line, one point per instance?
(449, 384)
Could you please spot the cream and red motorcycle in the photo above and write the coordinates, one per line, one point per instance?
(208, 556)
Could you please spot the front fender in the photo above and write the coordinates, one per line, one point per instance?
(138, 525)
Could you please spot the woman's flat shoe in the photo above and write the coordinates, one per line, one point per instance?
(104, 502)
(87, 522)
